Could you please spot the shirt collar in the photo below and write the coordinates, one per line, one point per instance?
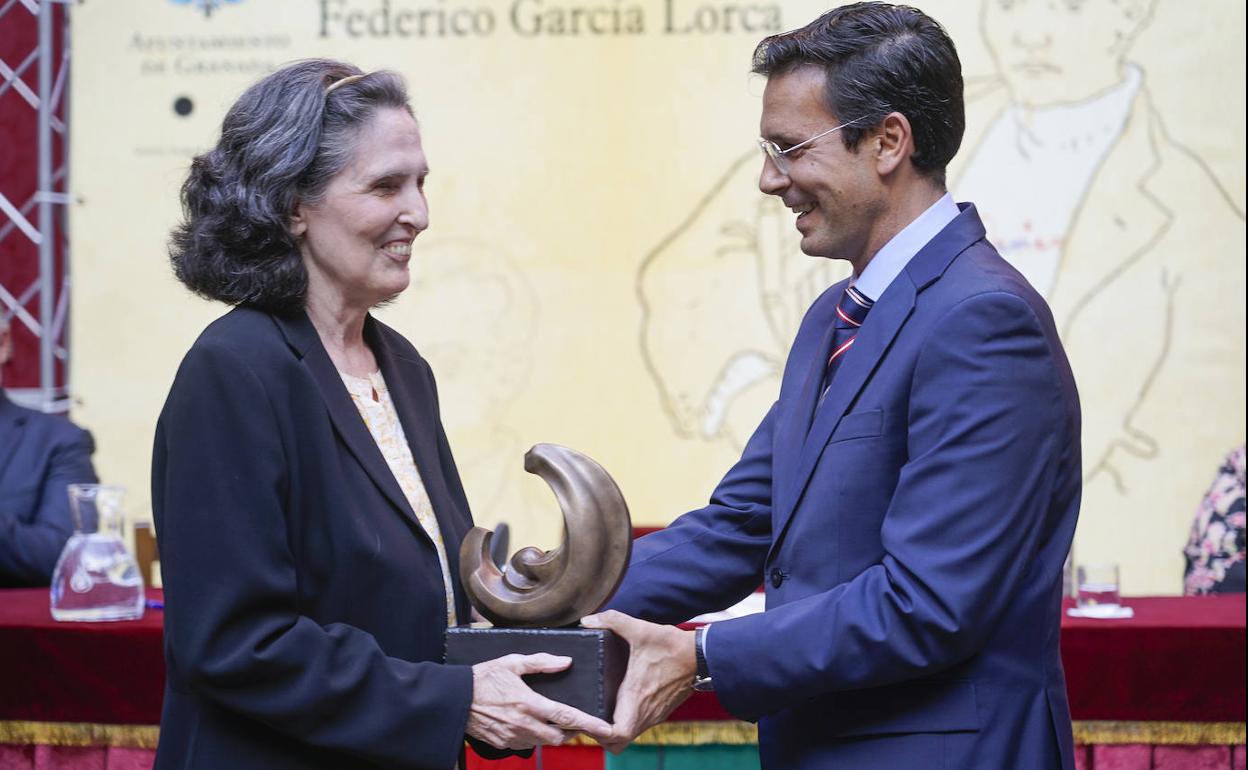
(890, 260)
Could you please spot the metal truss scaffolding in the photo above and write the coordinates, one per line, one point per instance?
(34, 253)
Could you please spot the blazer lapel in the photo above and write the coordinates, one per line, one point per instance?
(414, 401)
(885, 320)
(796, 420)
(302, 336)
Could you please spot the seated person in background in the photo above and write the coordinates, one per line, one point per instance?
(40, 454)
(1215, 551)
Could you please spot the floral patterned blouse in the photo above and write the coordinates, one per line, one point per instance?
(372, 399)
(1215, 551)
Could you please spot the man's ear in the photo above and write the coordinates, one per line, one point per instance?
(298, 223)
(894, 143)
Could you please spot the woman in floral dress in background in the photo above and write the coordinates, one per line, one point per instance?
(1215, 551)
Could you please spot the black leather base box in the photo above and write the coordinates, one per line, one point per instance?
(599, 659)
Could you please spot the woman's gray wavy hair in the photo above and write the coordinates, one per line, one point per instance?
(281, 143)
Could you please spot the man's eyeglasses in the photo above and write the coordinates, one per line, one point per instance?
(780, 157)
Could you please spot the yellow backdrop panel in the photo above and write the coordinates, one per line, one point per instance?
(602, 272)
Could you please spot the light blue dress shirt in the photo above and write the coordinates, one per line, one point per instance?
(892, 258)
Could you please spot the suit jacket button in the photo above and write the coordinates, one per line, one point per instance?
(777, 577)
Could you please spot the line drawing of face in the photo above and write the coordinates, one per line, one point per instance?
(1061, 51)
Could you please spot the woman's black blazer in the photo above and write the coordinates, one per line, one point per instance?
(304, 603)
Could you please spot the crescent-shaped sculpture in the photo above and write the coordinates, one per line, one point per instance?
(558, 587)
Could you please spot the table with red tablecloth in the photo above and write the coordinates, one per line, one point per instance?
(1167, 683)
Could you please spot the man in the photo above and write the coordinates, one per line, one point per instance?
(911, 496)
(40, 455)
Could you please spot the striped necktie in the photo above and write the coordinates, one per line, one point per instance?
(851, 312)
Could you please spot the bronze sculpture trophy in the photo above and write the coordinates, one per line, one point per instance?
(536, 600)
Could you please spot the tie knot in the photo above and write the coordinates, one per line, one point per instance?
(852, 310)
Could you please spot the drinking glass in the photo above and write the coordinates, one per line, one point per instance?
(1097, 588)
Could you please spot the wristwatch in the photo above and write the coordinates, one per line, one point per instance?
(702, 678)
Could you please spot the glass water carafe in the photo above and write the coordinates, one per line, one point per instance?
(96, 578)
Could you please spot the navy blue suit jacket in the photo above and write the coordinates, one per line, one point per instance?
(40, 455)
(305, 607)
(911, 540)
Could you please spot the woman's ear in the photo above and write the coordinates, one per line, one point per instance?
(298, 224)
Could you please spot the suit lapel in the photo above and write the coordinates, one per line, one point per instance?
(302, 336)
(796, 421)
(884, 322)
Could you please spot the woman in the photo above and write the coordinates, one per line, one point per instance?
(1215, 547)
(308, 508)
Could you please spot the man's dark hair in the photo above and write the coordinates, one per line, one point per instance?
(881, 58)
(281, 143)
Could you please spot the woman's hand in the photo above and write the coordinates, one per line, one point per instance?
(506, 714)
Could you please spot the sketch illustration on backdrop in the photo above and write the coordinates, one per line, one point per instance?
(1135, 243)
(461, 283)
(739, 244)
(1110, 218)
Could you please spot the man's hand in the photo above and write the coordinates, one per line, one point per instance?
(506, 714)
(661, 665)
